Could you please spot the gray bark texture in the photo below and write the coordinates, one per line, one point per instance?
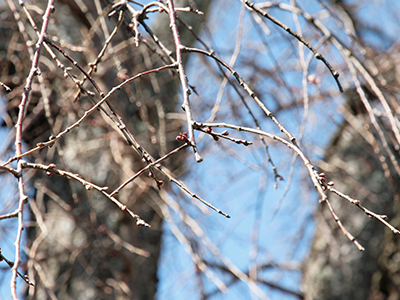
(80, 245)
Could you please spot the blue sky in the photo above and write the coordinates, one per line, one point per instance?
(286, 238)
(229, 182)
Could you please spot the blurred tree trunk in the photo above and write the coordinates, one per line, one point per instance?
(335, 269)
(78, 239)
(358, 163)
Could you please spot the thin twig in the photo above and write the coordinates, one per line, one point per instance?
(317, 55)
(54, 139)
(184, 188)
(312, 172)
(94, 64)
(213, 248)
(344, 230)
(5, 87)
(247, 88)
(75, 63)
(11, 264)
(148, 167)
(185, 243)
(18, 143)
(117, 239)
(51, 169)
(381, 218)
(224, 135)
(184, 80)
(347, 53)
(11, 170)
(14, 214)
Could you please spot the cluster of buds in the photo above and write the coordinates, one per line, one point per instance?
(216, 136)
(244, 142)
(210, 131)
(51, 138)
(322, 181)
(321, 177)
(49, 168)
(160, 183)
(182, 137)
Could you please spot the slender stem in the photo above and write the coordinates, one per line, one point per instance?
(18, 141)
(310, 167)
(183, 78)
(54, 139)
(317, 55)
(148, 167)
